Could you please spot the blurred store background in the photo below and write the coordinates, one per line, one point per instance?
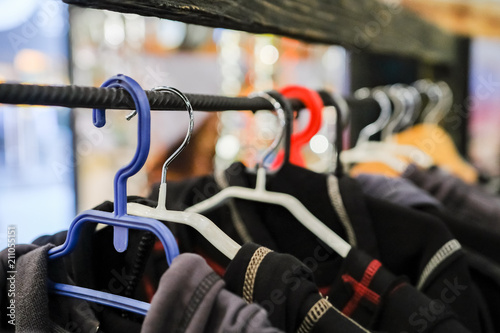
(34, 186)
(52, 167)
(55, 163)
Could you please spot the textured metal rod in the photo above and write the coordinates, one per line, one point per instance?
(91, 97)
(112, 98)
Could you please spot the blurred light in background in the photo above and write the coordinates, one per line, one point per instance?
(37, 163)
(36, 159)
(15, 13)
(227, 147)
(319, 144)
(484, 120)
(269, 54)
(135, 30)
(30, 61)
(114, 29)
(171, 34)
(229, 60)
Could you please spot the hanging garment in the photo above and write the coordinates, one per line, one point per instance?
(189, 297)
(280, 283)
(36, 311)
(481, 243)
(286, 288)
(119, 273)
(374, 168)
(438, 144)
(5, 281)
(470, 202)
(406, 241)
(487, 275)
(472, 214)
(374, 297)
(399, 191)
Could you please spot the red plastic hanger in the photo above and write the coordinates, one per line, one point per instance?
(313, 102)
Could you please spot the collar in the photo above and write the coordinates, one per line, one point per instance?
(339, 203)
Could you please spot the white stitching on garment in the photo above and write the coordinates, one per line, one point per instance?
(251, 272)
(441, 255)
(338, 206)
(314, 315)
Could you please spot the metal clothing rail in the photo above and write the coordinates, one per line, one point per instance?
(113, 98)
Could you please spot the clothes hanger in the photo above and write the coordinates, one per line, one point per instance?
(119, 219)
(443, 106)
(284, 155)
(410, 108)
(386, 152)
(343, 117)
(398, 113)
(364, 151)
(417, 100)
(199, 222)
(260, 194)
(425, 86)
(313, 102)
(342, 112)
(383, 119)
(432, 138)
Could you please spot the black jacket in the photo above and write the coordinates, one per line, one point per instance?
(407, 242)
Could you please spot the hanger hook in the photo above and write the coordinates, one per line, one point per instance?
(426, 86)
(385, 112)
(183, 145)
(282, 122)
(143, 136)
(187, 138)
(410, 107)
(417, 103)
(399, 107)
(445, 101)
(120, 234)
(343, 113)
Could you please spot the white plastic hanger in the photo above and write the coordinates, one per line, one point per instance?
(443, 104)
(385, 152)
(385, 113)
(398, 112)
(428, 88)
(417, 99)
(203, 225)
(409, 95)
(260, 194)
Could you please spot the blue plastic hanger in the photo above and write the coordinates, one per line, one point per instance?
(119, 219)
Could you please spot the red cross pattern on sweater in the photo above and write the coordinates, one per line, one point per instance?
(361, 289)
